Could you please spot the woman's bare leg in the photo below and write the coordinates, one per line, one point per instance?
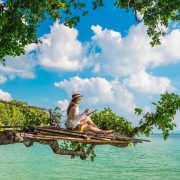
(91, 128)
(95, 129)
(88, 121)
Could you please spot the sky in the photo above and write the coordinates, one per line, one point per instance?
(107, 58)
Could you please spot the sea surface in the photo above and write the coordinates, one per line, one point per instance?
(156, 160)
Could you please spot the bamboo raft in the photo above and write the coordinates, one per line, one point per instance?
(55, 133)
(49, 133)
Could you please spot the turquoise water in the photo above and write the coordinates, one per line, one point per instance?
(156, 160)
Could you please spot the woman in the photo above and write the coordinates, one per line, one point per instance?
(81, 121)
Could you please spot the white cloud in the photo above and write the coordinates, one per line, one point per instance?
(120, 57)
(5, 95)
(61, 49)
(31, 47)
(99, 93)
(3, 79)
(133, 53)
(22, 66)
(127, 56)
(147, 109)
(63, 104)
(139, 16)
(146, 83)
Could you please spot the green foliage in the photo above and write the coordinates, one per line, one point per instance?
(138, 111)
(57, 113)
(93, 155)
(156, 14)
(66, 145)
(76, 146)
(165, 111)
(162, 118)
(107, 119)
(23, 116)
(19, 19)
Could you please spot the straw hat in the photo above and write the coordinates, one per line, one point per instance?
(76, 95)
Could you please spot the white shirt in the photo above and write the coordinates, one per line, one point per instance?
(79, 116)
(77, 110)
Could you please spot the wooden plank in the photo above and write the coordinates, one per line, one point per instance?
(78, 133)
(60, 131)
(77, 139)
(54, 131)
(115, 137)
(85, 137)
(119, 144)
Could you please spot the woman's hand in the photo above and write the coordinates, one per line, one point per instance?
(86, 111)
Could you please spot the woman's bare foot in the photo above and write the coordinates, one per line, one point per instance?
(94, 125)
(19, 137)
(109, 132)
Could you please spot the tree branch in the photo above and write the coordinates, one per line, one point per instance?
(57, 150)
(12, 137)
(8, 137)
(136, 130)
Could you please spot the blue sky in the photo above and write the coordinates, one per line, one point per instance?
(107, 58)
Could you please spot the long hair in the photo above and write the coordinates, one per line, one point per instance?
(71, 104)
